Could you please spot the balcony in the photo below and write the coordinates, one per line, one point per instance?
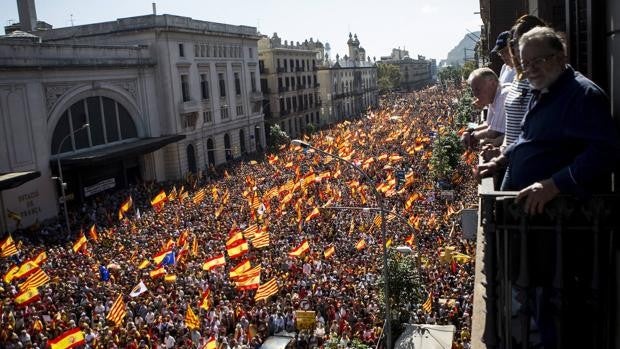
(299, 69)
(553, 273)
(189, 106)
(256, 96)
(301, 86)
(281, 70)
(282, 89)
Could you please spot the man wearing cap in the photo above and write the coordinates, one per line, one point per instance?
(507, 74)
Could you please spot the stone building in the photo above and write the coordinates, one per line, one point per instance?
(163, 96)
(289, 83)
(348, 86)
(414, 73)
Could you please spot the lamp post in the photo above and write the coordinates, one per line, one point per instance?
(62, 182)
(379, 198)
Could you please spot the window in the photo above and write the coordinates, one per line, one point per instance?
(185, 87)
(189, 120)
(222, 82)
(181, 50)
(250, 52)
(285, 65)
(224, 112)
(253, 80)
(278, 63)
(239, 110)
(204, 86)
(196, 50)
(237, 84)
(206, 115)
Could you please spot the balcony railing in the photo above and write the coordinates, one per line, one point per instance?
(552, 277)
(281, 70)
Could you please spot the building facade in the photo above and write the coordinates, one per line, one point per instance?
(414, 73)
(289, 83)
(163, 96)
(348, 86)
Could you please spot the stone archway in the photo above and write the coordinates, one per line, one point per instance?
(191, 158)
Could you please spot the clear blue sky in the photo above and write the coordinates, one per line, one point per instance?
(424, 27)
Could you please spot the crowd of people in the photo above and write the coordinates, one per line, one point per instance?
(343, 288)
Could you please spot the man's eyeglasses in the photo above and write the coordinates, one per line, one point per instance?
(536, 62)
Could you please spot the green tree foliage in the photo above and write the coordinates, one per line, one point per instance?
(467, 68)
(447, 150)
(277, 137)
(450, 74)
(388, 77)
(310, 128)
(464, 109)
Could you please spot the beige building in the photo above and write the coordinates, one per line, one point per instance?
(289, 83)
(163, 96)
(414, 73)
(348, 86)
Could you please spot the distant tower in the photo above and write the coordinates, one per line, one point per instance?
(328, 50)
(354, 45)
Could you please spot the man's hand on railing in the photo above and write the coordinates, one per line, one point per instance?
(489, 168)
(537, 195)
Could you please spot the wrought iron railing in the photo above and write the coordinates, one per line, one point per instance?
(551, 278)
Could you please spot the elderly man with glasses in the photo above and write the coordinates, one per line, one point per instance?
(568, 142)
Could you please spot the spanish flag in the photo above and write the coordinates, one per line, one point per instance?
(211, 344)
(250, 283)
(233, 238)
(249, 273)
(92, 232)
(360, 245)
(191, 320)
(299, 250)
(157, 272)
(10, 274)
(159, 257)
(145, 263)
(26, 297)
(159, 199)
(329, 252)
(68, 339)
(170, 278)
(118, 311)
(315, 213)
(79, 243)
(240, 268)
(126, 205)
(205, 300)
(214, 262)
(266, 290)
(238, 249)
(8, 247)
(40, 258)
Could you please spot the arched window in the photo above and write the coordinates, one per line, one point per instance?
(108, 121)
(191, 158)
(210, 152)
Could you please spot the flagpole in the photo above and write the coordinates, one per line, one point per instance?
(379, 198)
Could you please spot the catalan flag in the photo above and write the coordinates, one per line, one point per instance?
(413, 198)
(199, 196)
(26, 297)
(40, 258)
(360, 245)
(159, 272)
(329, 252)
(159, 199)
(118, 311)
(240, 268)
(173, 194)
(68, 339)
(25, 269)
(315, 213)
(214, 262)
(377, 220)
(36, 279)
(427, 306)
(248, 273)
(195, 246)
(300, 250)
(238, 249)
(250, 231)
(266, 290)
(205, 301)
(191, 320)
(81, 241)
(261, 240)
(8, 247)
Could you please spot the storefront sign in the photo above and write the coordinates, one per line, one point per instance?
(99, 187)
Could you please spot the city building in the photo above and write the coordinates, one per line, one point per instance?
(289, 83)
(414, 73)
(163, 96)
(348, 86)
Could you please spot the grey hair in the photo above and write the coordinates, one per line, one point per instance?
(484, 72)
(551, 38)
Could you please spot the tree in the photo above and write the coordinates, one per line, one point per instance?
(388, 77)
(446, 155)
(310, 128)
(277, 137)
(467, 68)
(405, 286)
(450, 74)
(464, 109)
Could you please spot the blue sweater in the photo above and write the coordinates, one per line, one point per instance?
(568, 135)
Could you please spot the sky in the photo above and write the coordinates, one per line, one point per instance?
(429, 28)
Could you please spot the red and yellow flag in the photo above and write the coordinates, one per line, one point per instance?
(266, 290)
(315, 213)
(40, 258)
(26, 297)
(159, 272)
(36, 279)
(25, 269)
(10, 274)
(92, 233)
(145, 263)
(233, 238)
(329, 252)
(250, 283)
(238, 249)
(79, 243)
(118, 311)
(68, 339)
(199, 196)
(205, 302)
(360, 245)
(240, 268)
(214, 262)
(8, 247)
(300, 250)
(211, 344)
(191, 320)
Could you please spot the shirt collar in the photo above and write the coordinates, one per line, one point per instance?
(564, 76)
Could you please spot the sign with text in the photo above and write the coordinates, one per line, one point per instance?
(99, 187)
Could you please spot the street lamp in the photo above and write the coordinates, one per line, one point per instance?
(62, 182)
(379, 198)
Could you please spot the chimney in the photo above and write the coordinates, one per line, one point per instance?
(154, 9)
(27, 15)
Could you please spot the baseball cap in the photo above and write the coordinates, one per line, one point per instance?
(501, 42)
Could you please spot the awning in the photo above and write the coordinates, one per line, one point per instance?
(116, 152)
(15, 179)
